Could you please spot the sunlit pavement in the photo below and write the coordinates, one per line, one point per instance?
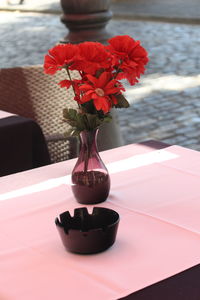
(164, 106)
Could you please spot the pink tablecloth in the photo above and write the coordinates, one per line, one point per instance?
(5, 114)
(157, 196)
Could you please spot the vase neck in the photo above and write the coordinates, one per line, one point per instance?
(89, 139)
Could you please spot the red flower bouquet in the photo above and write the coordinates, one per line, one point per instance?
(101, 67)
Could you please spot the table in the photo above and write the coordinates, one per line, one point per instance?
(156, 193)
(23, 145)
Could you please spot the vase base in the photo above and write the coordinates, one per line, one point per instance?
(90, 187)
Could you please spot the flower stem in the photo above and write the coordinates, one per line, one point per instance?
(118, 70)
(86, 160)
(70, 78)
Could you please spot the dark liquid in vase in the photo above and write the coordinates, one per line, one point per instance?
(90, 187)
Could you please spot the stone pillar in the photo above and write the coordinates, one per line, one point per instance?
(86, 20)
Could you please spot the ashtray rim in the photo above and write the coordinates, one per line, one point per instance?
(95, 208)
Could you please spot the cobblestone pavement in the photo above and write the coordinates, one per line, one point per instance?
(164, 106)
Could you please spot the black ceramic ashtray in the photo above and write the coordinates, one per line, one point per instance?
(88, 233)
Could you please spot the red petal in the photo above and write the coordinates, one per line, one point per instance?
(85, 98)
(112, 91)
(103, 79)
(85, 87)
(92, 79)
(65, 83)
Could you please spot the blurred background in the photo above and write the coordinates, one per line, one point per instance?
(165, 105)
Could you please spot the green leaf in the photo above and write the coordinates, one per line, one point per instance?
(69, 113)
(80, 121)
(107, 118)
(72, 113)
(122, 102)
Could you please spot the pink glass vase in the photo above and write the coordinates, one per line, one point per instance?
(90, 178)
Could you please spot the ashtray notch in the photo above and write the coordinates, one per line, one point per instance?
(86, 233)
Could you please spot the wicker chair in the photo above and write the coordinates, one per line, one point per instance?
(28, 92)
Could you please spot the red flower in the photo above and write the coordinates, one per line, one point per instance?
(94, 56)
(132, 57)
(100, 68)
(59, 56)
(101, 90)
(65, 83)
(75, 83)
